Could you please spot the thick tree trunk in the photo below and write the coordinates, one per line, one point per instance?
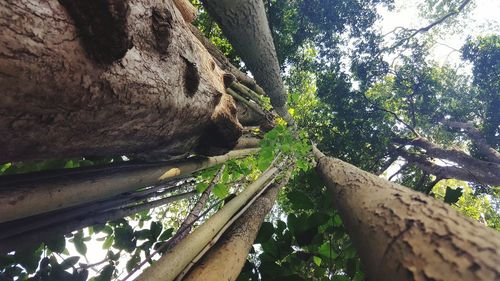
(244, 22)
(225, 260)
(31, 239)
(21, 196)
(402, 235)
(176, 259)
(106, 77)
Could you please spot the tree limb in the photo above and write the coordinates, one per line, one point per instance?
(477, 138)
(415, 32)
(187, 224)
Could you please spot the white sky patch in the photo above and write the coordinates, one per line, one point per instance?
(484, 19)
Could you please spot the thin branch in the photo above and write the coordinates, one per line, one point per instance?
(246, 102)
(401, 169)
(409, 127)
(195, 211)
(431, 185)
(428, 27)
(166, 244)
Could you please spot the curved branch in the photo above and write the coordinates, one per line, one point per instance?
(485, 174)
(477, 138)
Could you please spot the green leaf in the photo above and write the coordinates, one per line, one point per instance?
(327, 251)
(266, 156)
(106, 273)
(337, 221)
(108, 242)
(452, 195)
(202, 186)
(69, 262)
(299, 200)
(124, 238)
(80, 246)
(166, 234)
(220, 190)
(349, 251)
(57, 244)
(155, 230)
(265, 233)
(317, 260)
(133, 262)
(4, 167)
(29, 258)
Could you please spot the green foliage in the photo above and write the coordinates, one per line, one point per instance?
(282, 140)
(484, 54)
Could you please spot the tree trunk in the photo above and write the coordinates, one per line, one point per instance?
(106, 77)
(32, 239)
(176, 259)
(245, 25)
(225, 260)
(22, 197)
(402, 235)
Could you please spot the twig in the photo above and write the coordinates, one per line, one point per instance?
(167, 243)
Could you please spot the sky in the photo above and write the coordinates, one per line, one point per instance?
(483, 19)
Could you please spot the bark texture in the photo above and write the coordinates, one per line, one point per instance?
(187, 10)
(89, 77)
(404, 235)
(245, 24)
(224, 63)
(22, 196)
(225, 260)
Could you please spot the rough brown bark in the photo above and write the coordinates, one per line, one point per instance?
(402, 235)
(225, 260)
(244, 22)
(69, 88)
(187, 10)
(224, 63)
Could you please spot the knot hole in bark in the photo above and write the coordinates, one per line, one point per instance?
(224, 130)
(102, 26)
(191, 77)
(162, 28)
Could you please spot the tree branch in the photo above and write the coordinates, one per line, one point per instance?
(415, 32)
(187, 224)
(477, 138)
